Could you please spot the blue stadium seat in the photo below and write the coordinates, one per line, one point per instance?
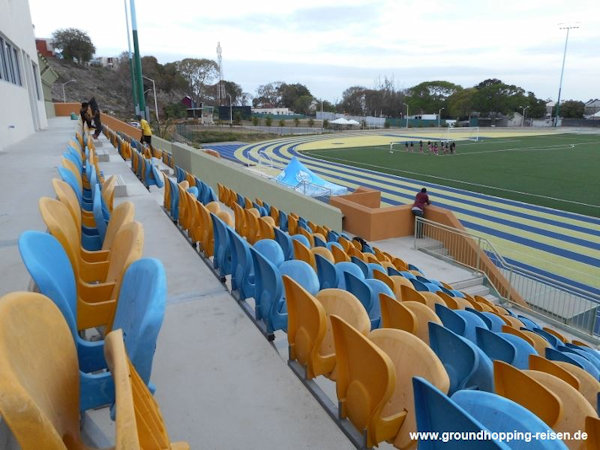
(271, 250)
(268, 296)
(505, 347)
(467, 365)
(285, 242)
(242, 267)
(362, 265)
(350, 267)
(328, 276)
(461, 322)
(222, 248)
(302, 273)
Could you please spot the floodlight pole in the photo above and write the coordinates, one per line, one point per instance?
(562, 71)
(129, 54)
(406, 114)
(138, 62)
(63, 89)
(155, 101)
(230, 111)
(440, 117)
(524, 108)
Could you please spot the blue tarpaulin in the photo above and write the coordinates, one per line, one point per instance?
(303, 180)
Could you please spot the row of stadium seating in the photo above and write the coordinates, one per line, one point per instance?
(87, 339)
(395, 342)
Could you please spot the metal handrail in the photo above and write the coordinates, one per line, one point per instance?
(570, 306)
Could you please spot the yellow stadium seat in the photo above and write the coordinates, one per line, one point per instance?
(303, 253)
(395, 314)
(365, 383)
(166, 192)
(240, 219)
(324, 252)
(308, 235)
(408, 294)
(252, 226)
(207, 241)
(454, 302)
(274, 213)
(400, 264)
(339, 255)
(265, 226)
(592, 427)
(536, 362)
(66, 195)
(139, 422)
(539, 346)
(346, 306)
(556, 333)
(292, 224)
(225, 217)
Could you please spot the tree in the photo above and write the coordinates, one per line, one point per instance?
(289, 94)
(430, 96)
(353, 100)
(267, 95)
(572, 109)
(302, 104)
(494, 96)
(74, 44)
(460, 104)
(198, 74)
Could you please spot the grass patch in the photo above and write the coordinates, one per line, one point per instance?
(208, 136)
(558, 171)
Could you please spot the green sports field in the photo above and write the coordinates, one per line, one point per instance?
(560, 171)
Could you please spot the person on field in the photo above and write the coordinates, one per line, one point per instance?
(418, 209)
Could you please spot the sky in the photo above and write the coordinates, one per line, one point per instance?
(330, 45)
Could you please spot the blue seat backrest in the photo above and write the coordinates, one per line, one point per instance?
(524, 349)
(140, 311)
(98, 214)
(268, 293)
(529, 324)
(437, 413)
(328, 276)
(200, 186)
(300, 237)
(499, 414)
(332, 236)
(496, 346)
(361, 264)
(271, 250)
(302, 273)
(319, 242)
(222, 252)
(67, 176)
(242, 268)
(285, 242)
(283, 221)
(377, 287)
(361, 291)
(553, 340)
(174, 200)
(467, 365)
(583, 360)
(350, 267)
(373, 267)
(452, 321)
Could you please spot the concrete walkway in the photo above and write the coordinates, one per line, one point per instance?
(220, 384)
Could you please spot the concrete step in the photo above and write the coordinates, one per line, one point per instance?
(470, 282)
(477, 290)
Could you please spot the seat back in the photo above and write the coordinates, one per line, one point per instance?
(467, 366)
(411, 357)
(303, 253)
(365, 383)
(268, 293)
(302, 273)
(516, 385)
(207, 231)
(408, 294)
(437, 413)
(139, 423)
(265, 227)
(240, 219)
(50, 268)
(328, 276)
(127, 247)
(241, 265)
(65, 194)
(343, 267)
(252, 230)
(285, 242)
(98, 215)
(68, 177)
(377, 287)
(306, 325)
(339, 254)
(361, 291)
(39, 377)
(122, 215)
(395, 314)
(140, 311)
(222, 251)
(271, 250)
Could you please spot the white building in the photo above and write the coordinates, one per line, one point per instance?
(22, 109)
(273, 111)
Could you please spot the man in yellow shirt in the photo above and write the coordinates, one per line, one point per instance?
(146, 131)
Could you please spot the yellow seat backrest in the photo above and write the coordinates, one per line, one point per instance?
(433, 297)
(574, 405)
(292, 224)
(308, 235)
(541, 364)
(411, 357)
(408, 294)
(205, 223)
(303, 253)
(339, 255)
(139, 422)
(556, 333)
(108, 191)
(274, 213)
(519, 387)
(365, 383)
(395, 314)
(225, 217)
(265, 227)
(252, 227)
(39, 373)
(592, 427)
(65, 194)
(306, 327)
(240, 219)
(346, 306)
(324, 252)
(424, 315)
(70, 166)
(121, 216)
(247, 203)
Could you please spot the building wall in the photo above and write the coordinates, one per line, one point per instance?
(23, 110)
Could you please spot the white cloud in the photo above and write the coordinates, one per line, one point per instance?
(516, 41)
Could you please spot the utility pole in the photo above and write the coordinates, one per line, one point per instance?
(131, 70)
(562, 71)
(138, 63)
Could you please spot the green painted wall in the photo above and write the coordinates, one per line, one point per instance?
(217, 170)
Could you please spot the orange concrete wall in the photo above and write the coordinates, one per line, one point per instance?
(65, 109)
(118, 125)
(466, 251)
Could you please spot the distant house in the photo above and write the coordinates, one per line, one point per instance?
(195, 111)
(45, 47)
(272, 111)
(105, 61)
(592, 106)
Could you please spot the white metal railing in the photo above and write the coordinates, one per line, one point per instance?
(570, 305)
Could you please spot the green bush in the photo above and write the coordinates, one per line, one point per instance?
(255, 121)
(311, 122)
(268, 121)
(237, 118)
(325, 123)
(386, 124)
(296, 121)
(281, 123)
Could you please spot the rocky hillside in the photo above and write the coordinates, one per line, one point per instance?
(111, 87)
